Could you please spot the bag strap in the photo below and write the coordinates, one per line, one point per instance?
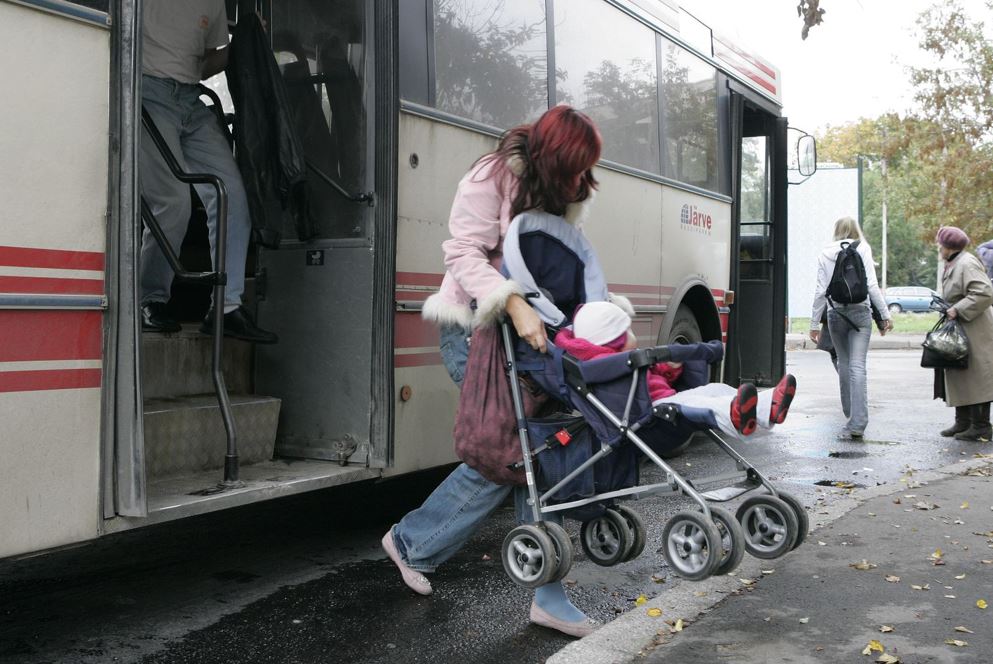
(847, 319)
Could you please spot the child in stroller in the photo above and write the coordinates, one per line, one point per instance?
(603, 328)
(584, 459)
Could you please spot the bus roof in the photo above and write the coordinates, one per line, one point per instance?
(746, 66)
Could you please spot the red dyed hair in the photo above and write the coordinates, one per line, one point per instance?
(557, 154)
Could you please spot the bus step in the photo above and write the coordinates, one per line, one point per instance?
(178, 365)
(186, 434)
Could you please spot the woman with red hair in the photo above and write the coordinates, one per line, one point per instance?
(548, 166)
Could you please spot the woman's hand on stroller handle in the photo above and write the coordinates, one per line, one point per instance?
(527, 323)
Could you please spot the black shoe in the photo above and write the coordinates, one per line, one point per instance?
(977, 433)
(155, 318)
(239, 325)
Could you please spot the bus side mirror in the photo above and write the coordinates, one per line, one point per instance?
(806, 155)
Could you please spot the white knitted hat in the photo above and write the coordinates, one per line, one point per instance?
(600, 322)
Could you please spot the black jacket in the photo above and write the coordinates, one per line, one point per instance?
(269, 153)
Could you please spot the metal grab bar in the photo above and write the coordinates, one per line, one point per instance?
(218, 277)
(361, 197)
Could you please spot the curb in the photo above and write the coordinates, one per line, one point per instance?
(627, 636)
(876, 342)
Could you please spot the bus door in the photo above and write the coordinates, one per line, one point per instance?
(320, 288)
(758, 263)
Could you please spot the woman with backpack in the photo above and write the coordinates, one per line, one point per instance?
(847, 289)
(967, 290)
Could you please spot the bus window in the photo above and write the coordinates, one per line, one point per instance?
(321, 51)
(689, 118)
(756, 218)
(490, 63)
(610, 74)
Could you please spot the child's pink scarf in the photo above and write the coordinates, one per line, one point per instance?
(660, 377)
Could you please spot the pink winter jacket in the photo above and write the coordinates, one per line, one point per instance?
(478, 223)
(661, 376)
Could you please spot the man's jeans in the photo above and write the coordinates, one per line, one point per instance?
(435, 531)
(852, 347)
(195, 139)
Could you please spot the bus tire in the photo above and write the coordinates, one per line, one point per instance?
(685, 328)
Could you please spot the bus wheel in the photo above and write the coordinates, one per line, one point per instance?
(685, 329)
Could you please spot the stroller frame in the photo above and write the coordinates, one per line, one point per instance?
(724, 539)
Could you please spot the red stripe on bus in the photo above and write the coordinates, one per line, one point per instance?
(414, 332)
(51, 285)
(770, 72)
(51, 258)
(49, 379)
(27, 336)
(416, 360)
(419, 279)
(413, 296)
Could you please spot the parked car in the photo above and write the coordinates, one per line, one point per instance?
(908, 298)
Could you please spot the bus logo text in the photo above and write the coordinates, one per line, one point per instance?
(692, 219)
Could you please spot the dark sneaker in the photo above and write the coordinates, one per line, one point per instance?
(743, 408)
(239, 325)
(155, 317)
(782, 397)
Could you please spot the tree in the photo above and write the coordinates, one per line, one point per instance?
(811, 13)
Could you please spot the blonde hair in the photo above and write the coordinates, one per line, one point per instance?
(847, 228)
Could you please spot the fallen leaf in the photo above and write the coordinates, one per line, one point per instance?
(926, 506)
(986, 562)
(804, 621)
(959, 522)
(937, 553)
(896, 501)
(958, 643)
(658, 578)
(747, 582)
(641, 600)
(926, 586)
(964, 505)
(885, 629)
(892, 578)
(863, 565)
(678, 627)
(949, 596)
(654, 613)
(960, 577)
(981, 603)
(886, 658)
(767, 619)
(699, 593)
(965, 630)
(768, 571)
(819, 543)
(873, 646)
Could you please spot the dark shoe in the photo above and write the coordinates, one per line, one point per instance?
(239, 325)
(743, 408)
(963, 421)
(155, 318)
(782, 397)
(977, 433)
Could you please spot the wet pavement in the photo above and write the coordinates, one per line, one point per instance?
(303, 579)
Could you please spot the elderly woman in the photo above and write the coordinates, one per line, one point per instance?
(968, 291)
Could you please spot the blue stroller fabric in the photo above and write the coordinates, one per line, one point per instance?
(552, 259)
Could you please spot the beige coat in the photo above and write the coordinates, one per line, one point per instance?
(965, 285)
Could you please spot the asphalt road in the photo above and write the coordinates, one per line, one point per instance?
(303, 579)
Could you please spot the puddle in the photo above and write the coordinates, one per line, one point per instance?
(848, 455)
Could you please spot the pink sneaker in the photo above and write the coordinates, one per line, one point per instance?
(414, 579)
(782, 397)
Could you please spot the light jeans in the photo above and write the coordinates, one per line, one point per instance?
(435, 531)
(852, 347)
(192, 132)
(717, 397)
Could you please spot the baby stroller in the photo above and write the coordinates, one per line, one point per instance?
(581, 461)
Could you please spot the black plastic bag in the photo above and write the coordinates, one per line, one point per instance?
(946, 345)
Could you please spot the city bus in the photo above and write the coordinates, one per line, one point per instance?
(104, 428)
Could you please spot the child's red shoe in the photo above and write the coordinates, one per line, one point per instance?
(743, 408)
(782, 397)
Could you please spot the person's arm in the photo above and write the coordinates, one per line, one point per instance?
(820, 300)
(214, 62)
(876, 299)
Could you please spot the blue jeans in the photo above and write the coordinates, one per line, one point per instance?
(193, 135)
(852, 346)
(435, 531)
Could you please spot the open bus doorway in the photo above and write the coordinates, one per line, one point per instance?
(758, 266)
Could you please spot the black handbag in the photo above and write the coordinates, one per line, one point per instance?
(946, 346)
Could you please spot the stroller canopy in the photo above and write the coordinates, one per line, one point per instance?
(542, 248)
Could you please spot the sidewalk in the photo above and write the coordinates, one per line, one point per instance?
(876, 342)
(928, 550)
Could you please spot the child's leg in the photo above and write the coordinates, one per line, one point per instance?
(764, 408)
(715, 397)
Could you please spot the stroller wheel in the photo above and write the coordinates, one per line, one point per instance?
(732, 540)
(563, 549)
(770, 526)
(529, 556)
(637, 528)
(606, 539)
(802, 521)
(692, 545)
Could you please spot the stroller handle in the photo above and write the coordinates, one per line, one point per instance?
(646, 357)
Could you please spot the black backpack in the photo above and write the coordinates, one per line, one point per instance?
(848, 282)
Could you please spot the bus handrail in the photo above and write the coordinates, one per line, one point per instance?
(361, 197)
(218, 278)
